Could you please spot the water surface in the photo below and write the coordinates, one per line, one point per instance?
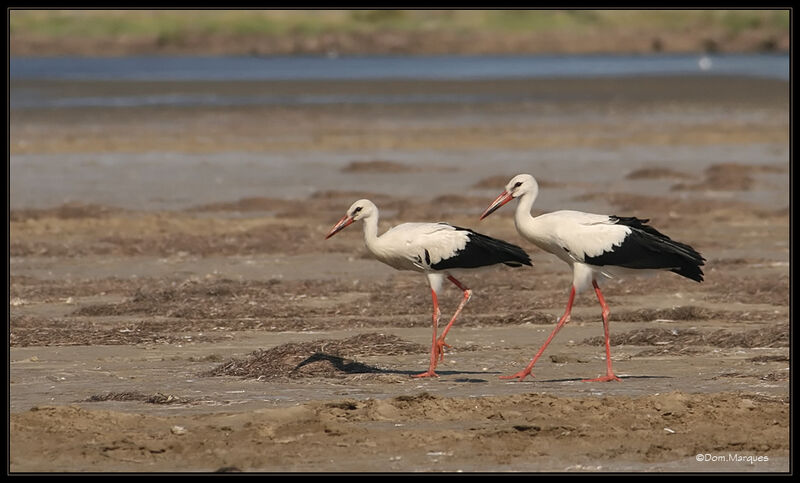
(178, 71)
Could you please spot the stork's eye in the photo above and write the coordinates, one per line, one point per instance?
(517, 184)
(358, 208)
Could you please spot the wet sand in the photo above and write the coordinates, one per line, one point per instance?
(175, 307)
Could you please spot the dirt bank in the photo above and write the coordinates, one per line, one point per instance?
(398, 42)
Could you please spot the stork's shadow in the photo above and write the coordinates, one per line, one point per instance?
(341, 364)
(583, 379)
(354, 367)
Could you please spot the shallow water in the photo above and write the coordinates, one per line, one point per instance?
(394, 67)
(193, 69)
(178, 181)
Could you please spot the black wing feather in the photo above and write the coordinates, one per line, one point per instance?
(481, 251)
(647, 248)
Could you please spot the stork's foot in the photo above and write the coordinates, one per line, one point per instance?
(440, 345)
(428, 373)
(606, 378)
(520, 375)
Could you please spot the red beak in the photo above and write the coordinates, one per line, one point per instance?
(504, 198)
(340, 225)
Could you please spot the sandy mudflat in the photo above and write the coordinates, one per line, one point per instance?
(175, 307)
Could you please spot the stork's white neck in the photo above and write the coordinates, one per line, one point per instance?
(371, 230)
(522, 214)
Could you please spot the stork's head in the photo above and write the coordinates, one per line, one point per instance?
(519, 185)
(359, 210)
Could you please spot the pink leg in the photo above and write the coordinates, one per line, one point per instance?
(434, 347)
(609, 373)
(440, 344)
(563, 320)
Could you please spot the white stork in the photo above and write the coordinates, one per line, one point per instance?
(435, 249)
(594, 245)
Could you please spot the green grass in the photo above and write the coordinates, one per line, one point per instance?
(174, 23)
